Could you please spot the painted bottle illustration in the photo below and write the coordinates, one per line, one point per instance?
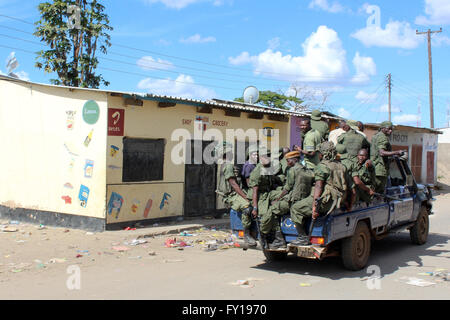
(148, 207)
(88, 138)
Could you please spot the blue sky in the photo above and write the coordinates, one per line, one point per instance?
(215, 48)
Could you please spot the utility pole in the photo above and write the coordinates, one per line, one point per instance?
(430, 71)
(389, 85)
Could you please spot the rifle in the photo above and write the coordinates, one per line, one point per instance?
(387, 197)
(314, 220)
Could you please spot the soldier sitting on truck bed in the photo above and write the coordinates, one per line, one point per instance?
(363, 175)
(331, 185)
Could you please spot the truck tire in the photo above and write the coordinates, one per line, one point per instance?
(274, 255)
(356, 249)
(419, 232)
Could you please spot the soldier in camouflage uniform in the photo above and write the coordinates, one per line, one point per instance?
(331, 186)
(311, 141)
(262, 181)
(380, 151)
(363, 174)
(230, 188)
(298, 189)
(353, 141)
(320, 125)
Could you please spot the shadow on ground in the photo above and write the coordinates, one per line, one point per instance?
(390, 254)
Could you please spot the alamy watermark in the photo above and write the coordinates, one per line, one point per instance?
(74, 280)
(373, 282)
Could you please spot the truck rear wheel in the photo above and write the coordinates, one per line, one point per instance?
(356, 249)
(419, 232)
(274, 255)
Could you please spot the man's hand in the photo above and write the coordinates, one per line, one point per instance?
(369, 163)
(371, 192)
(255, 213)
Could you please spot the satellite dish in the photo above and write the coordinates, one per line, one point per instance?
(12, 62)
(251, 95)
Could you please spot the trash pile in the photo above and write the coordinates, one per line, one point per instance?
(438, 275)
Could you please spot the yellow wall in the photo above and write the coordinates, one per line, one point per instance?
(43, 161)
(150, 121)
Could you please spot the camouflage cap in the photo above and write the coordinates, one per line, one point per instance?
(328, 150)
(386, 124)
(316, 115)
(353, 124)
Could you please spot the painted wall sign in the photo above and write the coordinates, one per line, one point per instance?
(88, 138)
(83, 195)
(220, 123)
(67, 199)
(70, 119)
(268, 128)
(164, 200)
(91, 112)
(113, 150)
(135, 205)
(115, 204)
(148, 207)
(201, 122)
(88, 168)
(116, 120)
(400, 137)
(186, 121)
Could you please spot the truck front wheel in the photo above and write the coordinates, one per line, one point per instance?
(419, 232)
(356, 249)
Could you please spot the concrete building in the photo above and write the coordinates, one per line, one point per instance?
(422, 146)
(96, 159)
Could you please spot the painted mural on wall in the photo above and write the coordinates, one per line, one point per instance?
(144, 201)
(116, 122)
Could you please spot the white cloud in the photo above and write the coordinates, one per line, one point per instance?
(196, 38)
(183, 86)
(335, 7)
(365, 67)
(385, 107)
(437, 11)
(440, 40)
(366, 97)
(406, 118)
(396, 34)
(22, 75)
(273, 43)
(324, 59)
(342, 112)
(149, 63)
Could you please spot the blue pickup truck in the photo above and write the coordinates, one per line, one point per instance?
(405, 205)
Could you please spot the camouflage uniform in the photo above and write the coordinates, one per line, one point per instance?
(318, 124)
(353, 142)
(265, 183)
(301, 194)
(333, 173)
(367, 176)
(311, 142)
(380, 141)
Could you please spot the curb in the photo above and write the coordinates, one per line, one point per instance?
(181, 228)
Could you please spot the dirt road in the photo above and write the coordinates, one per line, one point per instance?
(55, 263)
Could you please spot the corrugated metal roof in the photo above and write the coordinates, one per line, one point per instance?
(218, 103)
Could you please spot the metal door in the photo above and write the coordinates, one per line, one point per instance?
(200, 183)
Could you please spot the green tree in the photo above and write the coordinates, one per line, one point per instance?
(75, 30)
(276, 100)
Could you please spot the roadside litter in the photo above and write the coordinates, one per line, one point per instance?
(120, 248)
(246, 283)
(57, 260)
(438, 274)
(418, 282)
(135, 242)
(173, 243)
(9, 229)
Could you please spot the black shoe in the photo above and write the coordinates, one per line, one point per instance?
(249, 239)
(278, 242)
(301, 241)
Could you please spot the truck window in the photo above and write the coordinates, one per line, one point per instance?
(397, 178)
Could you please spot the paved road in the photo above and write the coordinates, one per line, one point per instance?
(195, 274)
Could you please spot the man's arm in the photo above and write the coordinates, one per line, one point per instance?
(255, 202)
(318, 189)
(385, 153)
(362, 186)
(236, 188)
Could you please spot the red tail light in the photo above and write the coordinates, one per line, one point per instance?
(317, 240)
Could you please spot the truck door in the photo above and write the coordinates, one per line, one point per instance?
(401, 210)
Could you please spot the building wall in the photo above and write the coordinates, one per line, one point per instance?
(45, 161)
(164, 198)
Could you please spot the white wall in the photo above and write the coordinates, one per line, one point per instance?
(43, 161)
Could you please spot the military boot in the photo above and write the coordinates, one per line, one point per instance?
(278, 242)
(302, 238)
(248, 239)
